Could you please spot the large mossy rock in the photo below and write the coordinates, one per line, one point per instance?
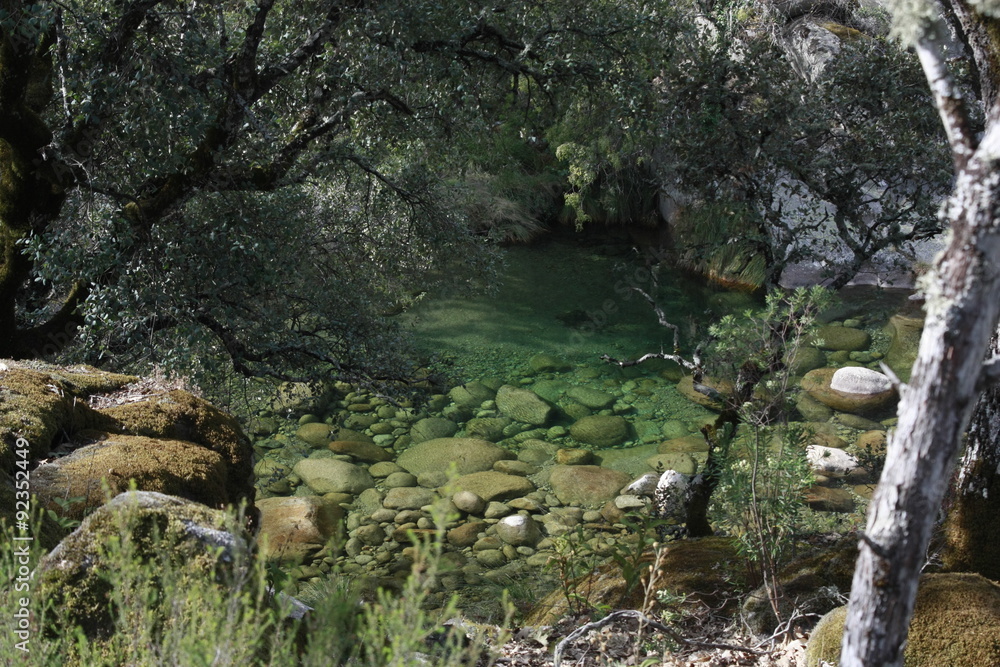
(39, 402)
(163, 532)
(179, 415)
(956, 622)
(129, 431)
(113, 462)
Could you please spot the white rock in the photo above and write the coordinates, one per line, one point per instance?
(830, 461)
(519, 530)
(644, 486)
(671, 495)
(629, 501)
(857, 380)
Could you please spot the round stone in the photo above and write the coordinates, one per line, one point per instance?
(468, 502)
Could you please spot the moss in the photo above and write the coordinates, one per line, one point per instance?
(971, 532)
(80, 574)
(173, 467)
(50, 532)
(956, 622)
(33, 406)
(825, 640)
(178, 415)
(842, 32)
(804, 584)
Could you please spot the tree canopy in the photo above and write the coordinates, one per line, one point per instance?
(262, 179)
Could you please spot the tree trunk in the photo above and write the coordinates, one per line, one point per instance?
(934, 410)
(972, 532)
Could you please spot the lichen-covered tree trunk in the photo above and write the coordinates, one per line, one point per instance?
(972, 532)
(948, 375)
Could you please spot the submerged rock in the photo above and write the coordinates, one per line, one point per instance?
(333, 476)
(468, 455)
(586, 486)
(845, 339)
(818, 384)
(600, 430)
(523, 405)
(292, 529)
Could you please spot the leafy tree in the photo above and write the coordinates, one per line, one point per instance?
(763, 165)
(262, 180)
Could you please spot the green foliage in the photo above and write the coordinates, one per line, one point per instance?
(759, 498)
(265, 187)
(576, 562)
(752, 350)
(764, 467)
(166, 612)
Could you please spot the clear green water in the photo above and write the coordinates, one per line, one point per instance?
(569, 300)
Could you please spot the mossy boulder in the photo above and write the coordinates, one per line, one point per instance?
(162, 531)
(37, 407)
(130, 430)
(956, 622)
(179, 415)
(112, 462)
(811, 583)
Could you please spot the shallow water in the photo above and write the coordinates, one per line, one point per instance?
(570, 300)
